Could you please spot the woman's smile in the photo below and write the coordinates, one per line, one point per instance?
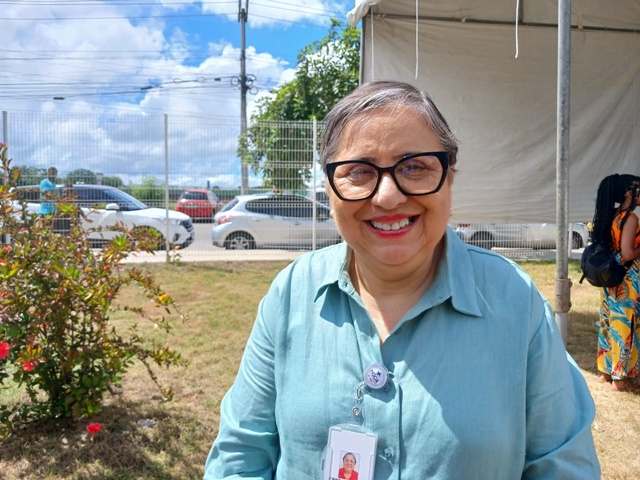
(392, 225)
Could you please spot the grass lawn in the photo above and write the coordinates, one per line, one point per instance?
(221, 299)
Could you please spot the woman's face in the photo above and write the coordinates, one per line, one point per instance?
(349, 462)
(370, 226)
(634, 190)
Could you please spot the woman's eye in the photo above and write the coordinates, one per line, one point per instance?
(361, 171)
(413, 168)
(419, 166)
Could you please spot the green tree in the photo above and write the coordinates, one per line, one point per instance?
(31, 175)
(82, 175)
(150, 191)
(113, 182)
(279, 143)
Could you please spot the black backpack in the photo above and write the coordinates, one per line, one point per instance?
(600, 267)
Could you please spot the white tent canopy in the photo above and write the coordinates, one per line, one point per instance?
(503, 108)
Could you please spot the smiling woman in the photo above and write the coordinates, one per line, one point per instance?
(395, 326)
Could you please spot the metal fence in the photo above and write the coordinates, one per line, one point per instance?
(156, 158)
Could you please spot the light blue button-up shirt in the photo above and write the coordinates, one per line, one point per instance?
(480, 384)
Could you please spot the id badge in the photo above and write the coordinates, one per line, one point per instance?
(350, 453)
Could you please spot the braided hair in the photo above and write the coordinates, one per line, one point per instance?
(612, 190)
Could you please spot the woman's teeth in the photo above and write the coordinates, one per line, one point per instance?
(391, 226)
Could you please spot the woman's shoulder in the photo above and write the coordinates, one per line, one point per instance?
(487, 264)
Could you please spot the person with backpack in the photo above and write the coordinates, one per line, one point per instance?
(617, 227)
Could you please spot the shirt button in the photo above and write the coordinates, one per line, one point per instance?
(387, 452)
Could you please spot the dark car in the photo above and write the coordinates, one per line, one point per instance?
(199, 204)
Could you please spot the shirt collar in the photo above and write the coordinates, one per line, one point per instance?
(454, 278)
(337, 270)
(456, 273)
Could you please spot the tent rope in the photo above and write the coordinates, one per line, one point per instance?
(517, 14)
(417, 48)
(373, 48)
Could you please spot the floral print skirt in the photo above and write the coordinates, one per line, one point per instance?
(619, 331)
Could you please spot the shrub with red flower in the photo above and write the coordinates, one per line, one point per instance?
(57, 297)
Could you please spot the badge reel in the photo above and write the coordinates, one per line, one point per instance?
(350, 446)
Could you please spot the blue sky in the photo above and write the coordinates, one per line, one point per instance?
(143, 58)
(90, 51)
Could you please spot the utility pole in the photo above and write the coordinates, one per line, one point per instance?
(243, 13)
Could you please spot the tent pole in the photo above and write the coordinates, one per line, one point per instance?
(563, 282)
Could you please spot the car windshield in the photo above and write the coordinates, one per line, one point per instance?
(194, 196)
(125, 201)
(92, 197)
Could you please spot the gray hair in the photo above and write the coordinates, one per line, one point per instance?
(384, 94)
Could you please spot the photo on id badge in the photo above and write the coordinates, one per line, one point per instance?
(350, 454)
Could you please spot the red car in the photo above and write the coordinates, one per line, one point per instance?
(199, 204)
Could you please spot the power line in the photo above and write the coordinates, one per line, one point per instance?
(180, 15)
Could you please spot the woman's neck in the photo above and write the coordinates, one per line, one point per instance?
(389, 292)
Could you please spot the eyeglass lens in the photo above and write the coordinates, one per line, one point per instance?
(415, 175)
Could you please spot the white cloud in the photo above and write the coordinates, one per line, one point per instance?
(101, 70)
(271, 13)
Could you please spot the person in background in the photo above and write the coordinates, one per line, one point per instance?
(616, 225)
(47, 191)
(446, 352)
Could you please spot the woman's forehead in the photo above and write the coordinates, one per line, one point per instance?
(392, 113)
(387, 126)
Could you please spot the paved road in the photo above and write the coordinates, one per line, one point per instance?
(201, 250)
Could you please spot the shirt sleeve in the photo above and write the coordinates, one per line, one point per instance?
(247, 445)
(560, 410)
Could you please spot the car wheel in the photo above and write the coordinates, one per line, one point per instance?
(576, 241)
(482, 239)
(239, 241)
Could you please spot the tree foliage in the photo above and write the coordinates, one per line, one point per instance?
(150, 191)
(31, 175)
(113, 182)
(279, 143)
(82, 175)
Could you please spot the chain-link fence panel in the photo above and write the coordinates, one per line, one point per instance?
(183, 176)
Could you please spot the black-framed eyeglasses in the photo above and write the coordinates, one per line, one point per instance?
(414, 175)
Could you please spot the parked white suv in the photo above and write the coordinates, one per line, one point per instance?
(106, 206)
(518, 235)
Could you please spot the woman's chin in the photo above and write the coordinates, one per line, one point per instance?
(391, 255)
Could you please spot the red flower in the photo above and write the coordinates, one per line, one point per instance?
(29, 365)
(4, 350)
(93, 428)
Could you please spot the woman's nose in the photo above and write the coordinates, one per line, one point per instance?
(388, 195)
